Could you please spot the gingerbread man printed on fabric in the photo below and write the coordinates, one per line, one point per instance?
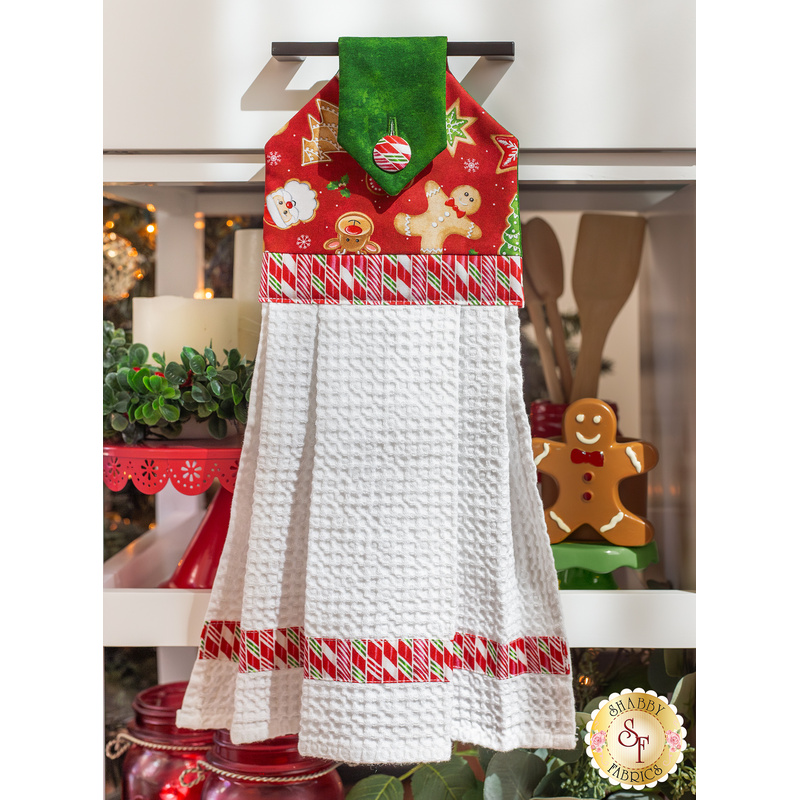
(444, 216)
(588, 466)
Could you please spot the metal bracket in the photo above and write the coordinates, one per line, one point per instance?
(299, 51)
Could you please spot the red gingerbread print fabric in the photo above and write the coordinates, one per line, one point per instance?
(331, 234)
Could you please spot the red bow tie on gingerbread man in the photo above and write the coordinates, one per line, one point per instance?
(587, 467)
(451, 203)
(595, 458)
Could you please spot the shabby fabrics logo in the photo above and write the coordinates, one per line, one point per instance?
(635, 739)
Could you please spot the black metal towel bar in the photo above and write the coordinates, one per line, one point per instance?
(298, 51)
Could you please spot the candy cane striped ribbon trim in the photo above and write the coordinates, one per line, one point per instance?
(399, 660)
(443, 279)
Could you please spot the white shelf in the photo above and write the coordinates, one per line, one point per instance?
(630, 618)
(176, 168)
(622, 618)
(183, 169)
(153, 617)
(138, 614)
(222, 183)
(151, 558)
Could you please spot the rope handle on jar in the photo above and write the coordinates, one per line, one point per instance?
(123, 740)
(191, 776)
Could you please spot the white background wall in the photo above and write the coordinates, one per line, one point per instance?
(198, 74)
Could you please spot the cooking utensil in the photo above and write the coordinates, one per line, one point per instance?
(536, 315)
(545, 267)
(607, 256)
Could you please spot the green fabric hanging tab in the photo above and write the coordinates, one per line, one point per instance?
(392, 105)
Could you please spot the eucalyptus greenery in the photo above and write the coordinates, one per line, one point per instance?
(142, 400)
(520, 774)
(524, 774)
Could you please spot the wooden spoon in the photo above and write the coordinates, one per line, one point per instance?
(534, 306)
(546, 271)
(607, 256)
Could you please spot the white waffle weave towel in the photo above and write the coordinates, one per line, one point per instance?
(387, 585)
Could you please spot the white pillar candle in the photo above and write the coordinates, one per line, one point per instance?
(248, 329)
(166, 324)
(248, 248)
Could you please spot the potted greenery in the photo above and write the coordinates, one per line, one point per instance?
(142, 400)
(482, 774)
(478, 773)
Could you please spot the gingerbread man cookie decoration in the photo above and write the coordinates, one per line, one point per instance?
(446, 216)
(587, 467)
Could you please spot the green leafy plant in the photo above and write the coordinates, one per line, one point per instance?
(533, 774)
(522, 774)
(142, 400)
(448, 780)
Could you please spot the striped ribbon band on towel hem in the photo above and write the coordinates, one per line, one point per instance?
(381, 660)
(358, 279)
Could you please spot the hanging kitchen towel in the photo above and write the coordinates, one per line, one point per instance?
(387, 585)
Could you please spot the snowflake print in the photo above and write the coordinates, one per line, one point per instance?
(303, 242)
(470, 164)
(273, 158)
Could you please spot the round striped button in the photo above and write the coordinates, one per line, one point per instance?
(392, 153)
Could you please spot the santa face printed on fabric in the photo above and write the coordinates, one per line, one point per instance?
(290, 204)
(320, 201)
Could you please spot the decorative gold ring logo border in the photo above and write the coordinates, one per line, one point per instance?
(634, 703)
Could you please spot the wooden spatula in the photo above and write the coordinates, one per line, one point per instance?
(546, 270)
(534, 306)
(607, 256)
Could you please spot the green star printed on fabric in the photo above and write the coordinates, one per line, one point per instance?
(456, 127)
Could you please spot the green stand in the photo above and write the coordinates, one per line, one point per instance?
(585, 565)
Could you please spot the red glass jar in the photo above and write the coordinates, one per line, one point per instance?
(273, 758)
(153, 773)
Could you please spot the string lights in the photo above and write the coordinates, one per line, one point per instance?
(121, 267)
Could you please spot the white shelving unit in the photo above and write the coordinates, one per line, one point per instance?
(137, 614)
(602, 101)
(140, 615)
(658, 167)
(623, 618)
